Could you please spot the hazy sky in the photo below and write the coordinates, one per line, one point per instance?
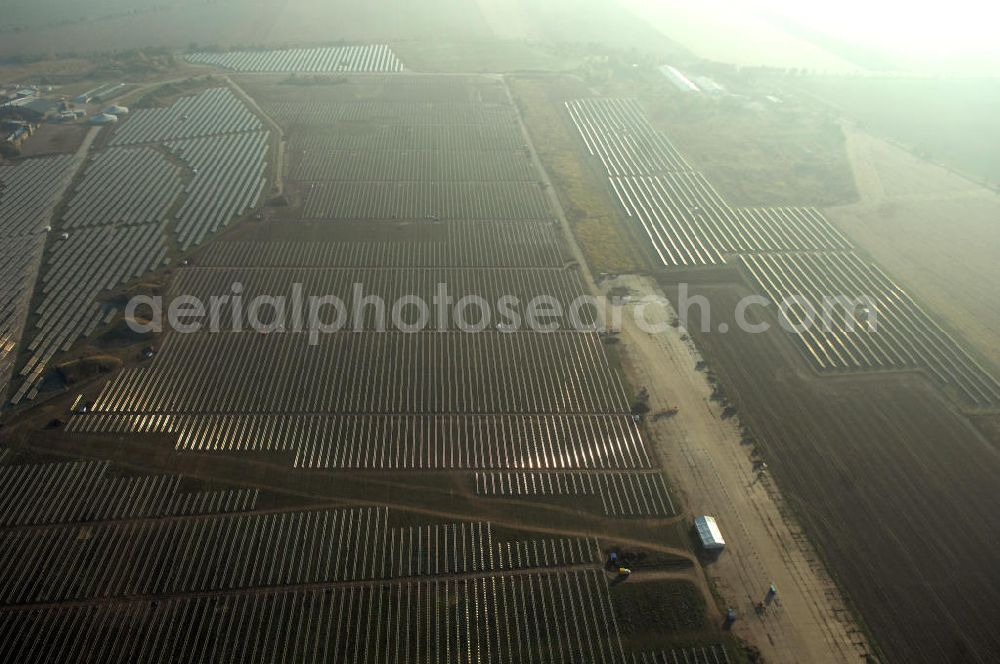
(920, 29)
(958, 35)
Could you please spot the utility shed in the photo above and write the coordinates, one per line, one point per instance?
(709, 533)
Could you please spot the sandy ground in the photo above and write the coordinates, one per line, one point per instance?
(54, 138)
(713, 474)
(934, 232)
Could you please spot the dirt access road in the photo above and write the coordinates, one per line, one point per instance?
(713, 473)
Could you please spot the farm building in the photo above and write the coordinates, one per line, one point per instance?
(17, 136)
(102, 93)
(9, 125)
(32, 108)
(115, 110)
(103, 119)
(709, 534)
(109, 91)
(71, 116)
(680, 81)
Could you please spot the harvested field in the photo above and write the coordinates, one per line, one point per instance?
(431, 200)
(353, 59)
(455, 243)
(392, 442)
(389, 372)
(899, 333)
(920, 565)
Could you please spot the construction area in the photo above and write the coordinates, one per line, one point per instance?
(659, 490)
(380, 495)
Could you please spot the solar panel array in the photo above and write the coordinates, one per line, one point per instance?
(122, 566)
(848, 315)
(29, 190)
(187, 169)
(227, 180)
(29, 193)
(688, 223)
(124, 186)
(82, 491)
(207, 113)
(793, 255)
(116, 566)
(343, 59)
(76, 271)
